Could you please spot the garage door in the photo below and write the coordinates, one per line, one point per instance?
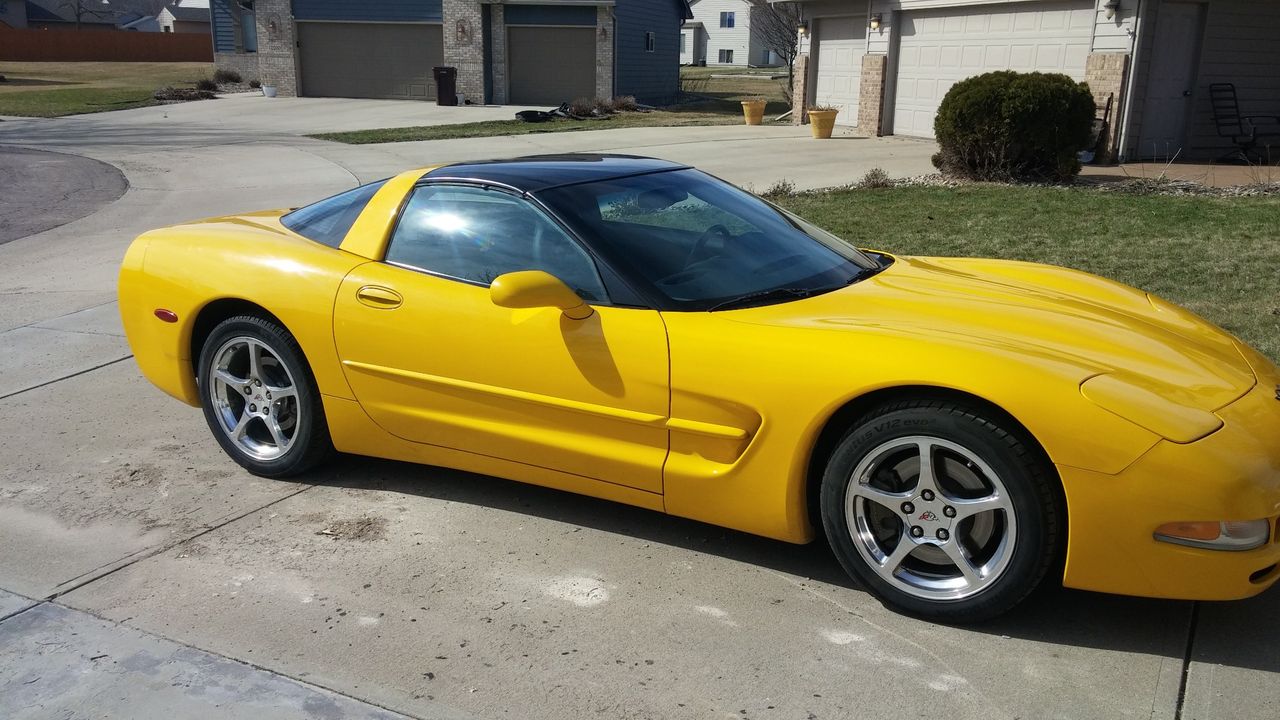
(369, 60)
(841, 43)
(939, 48)
(550, 65)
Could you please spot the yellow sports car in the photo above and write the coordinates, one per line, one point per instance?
(637, 330)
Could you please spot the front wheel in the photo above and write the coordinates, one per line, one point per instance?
(260, 399)
(943, 511)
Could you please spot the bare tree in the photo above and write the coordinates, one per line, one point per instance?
(81, 9)
(777, 26)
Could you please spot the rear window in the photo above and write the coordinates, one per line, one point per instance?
(329, 220)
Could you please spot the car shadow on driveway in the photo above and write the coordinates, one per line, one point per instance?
(1052, 615)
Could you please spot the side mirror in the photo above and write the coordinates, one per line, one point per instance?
(537, 289)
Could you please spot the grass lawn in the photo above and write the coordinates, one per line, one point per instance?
(48, 89)
(737, 84)
(715, 101)
(1216, 256)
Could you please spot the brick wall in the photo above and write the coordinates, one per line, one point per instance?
(464, 46)
(871, 95)
(800, 90)
(1106, 74)
(605, 28)
(277, 64)
(244, 63)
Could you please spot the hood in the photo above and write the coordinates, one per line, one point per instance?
(1097, 324)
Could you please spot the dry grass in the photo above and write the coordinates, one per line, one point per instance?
(56, 89)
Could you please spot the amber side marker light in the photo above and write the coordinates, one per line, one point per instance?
(167, 315)
(1216, 535)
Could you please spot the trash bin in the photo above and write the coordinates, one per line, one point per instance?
(446, 85)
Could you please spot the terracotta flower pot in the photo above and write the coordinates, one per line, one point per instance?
(753, 111)
(821, 123)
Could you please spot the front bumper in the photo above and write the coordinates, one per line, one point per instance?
(1233, 474)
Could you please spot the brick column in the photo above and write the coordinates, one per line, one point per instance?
(604, 51)
(800, 90)
(871, 95)
(1107, 74)
(463, 45)
(277, 61)
(498, 53)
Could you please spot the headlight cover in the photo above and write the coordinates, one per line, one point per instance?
(1170, 420)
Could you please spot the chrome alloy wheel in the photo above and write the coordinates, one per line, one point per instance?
(254, 398)
(931, 518)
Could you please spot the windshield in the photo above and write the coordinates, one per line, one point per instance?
(701, 244)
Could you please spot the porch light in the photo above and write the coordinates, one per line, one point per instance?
(803, 29)
(874, 22)
(1111, 6)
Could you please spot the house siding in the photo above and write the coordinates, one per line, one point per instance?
(652, 77)
(1240, 47)
(381, 11)
(224, 32)
(747, 49)
(550, 15)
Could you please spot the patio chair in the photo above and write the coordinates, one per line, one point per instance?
(1246, 132)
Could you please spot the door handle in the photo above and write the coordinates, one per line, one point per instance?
(379, 297)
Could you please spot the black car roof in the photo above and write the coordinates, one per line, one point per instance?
(540, 172)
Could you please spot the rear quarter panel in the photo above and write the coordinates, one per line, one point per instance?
(251, 258)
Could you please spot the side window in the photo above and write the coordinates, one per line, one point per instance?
(328, 221)
(475, 235)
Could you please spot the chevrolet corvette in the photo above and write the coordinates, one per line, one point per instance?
(636, 330)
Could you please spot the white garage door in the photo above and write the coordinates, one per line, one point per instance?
(938, 48)
(841, 43)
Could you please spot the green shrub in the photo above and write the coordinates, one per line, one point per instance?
(1013, 126)
(255, 84)
(206, 85)
(224, 77)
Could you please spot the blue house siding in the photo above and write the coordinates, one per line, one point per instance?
(549, 15)
(652, 77)
(224, 32)
(380, 11)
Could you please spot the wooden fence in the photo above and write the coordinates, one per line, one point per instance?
(98, 46)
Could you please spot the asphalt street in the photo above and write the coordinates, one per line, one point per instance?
(143, 574)
(41, 190)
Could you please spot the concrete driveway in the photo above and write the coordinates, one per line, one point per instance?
(148, 576)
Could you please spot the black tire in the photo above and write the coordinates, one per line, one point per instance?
(308, 437)
(1030, 491)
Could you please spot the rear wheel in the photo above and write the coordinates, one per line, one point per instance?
(943, 511)
(260, 400)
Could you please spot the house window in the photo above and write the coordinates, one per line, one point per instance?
(684, 43)
(726, 19)
(726, 57)
(649, 42)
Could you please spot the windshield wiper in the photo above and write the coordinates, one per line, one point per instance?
(789, 293)
(764, 296)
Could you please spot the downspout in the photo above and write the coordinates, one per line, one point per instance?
(1134, 51)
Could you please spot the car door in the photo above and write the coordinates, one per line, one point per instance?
(433, 360)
